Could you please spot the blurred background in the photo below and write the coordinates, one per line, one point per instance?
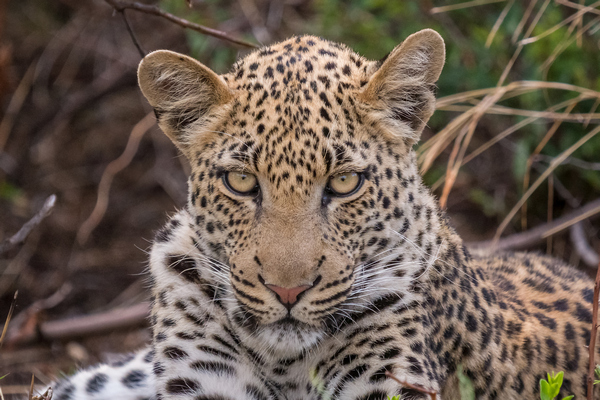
(512, 148)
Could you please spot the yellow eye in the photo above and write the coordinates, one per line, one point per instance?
(345, 184)
(241, 183)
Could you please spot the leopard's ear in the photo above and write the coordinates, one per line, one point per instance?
(401, 91)
(184, 93)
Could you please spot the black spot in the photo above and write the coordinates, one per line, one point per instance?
(471, 323)
(583, 314)
(96, 383)
(588, 295)
(134, 379)
(175, 353)
(185, 266)
(182, 386)
(214, 366)
(375, 395)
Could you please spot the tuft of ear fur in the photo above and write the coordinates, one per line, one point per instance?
(402, 90)
(183, 93)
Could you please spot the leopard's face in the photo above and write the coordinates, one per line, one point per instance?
(300, 173)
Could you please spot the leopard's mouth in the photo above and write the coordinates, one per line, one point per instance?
(289, 322)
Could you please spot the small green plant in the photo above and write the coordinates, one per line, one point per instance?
(597, 372)
(549, 388)
(394, 398)
(465, 386)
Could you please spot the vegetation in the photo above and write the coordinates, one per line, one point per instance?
(550, 388)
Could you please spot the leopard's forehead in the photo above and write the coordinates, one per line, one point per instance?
(294, 119)
(301, 60)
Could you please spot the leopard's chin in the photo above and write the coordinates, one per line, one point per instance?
(287, 337)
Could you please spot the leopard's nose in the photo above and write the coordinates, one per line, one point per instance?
(288, 296)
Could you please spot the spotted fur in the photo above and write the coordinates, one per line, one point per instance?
(392, 288)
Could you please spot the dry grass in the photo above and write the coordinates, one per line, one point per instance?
(475, 105)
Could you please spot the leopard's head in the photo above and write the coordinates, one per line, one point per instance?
(303, 180)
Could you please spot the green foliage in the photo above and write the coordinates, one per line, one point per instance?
(597, 372)
(465, 386)
(394, 398)
(9, 192)
(550, 388)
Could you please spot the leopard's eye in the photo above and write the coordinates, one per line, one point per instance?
(241, 183)
(345, 184)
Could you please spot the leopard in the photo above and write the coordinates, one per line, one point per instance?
(312, 262)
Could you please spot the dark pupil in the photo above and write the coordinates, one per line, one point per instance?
(343, 178)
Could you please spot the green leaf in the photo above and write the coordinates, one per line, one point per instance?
(545, 390)
(556, 379)
(465, 386)
(568, 398)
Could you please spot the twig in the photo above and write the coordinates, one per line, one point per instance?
(27, 321)
(132, 34)
(592, 349)
(121, 5)
(537, 235)
(576, 162)
(15, 105)
(8, 317)
(582, 247)
(26, 229)
(47, 395)
(557, 161)
(31, 387)
(111, 170)
(466, 4)
(94, 324)
(421, 389)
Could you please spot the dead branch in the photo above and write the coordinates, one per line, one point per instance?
(524, 240)
(421, 389)
(47, 395)
(28, 320)
(134, 38)
(582, 247)
(121, 5)
(26, 229)
(94, 324)
(8, 317)
(592, 348)
(111, 170)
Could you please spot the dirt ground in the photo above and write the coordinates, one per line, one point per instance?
(69, 99)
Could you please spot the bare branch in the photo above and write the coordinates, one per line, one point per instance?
(529, 238)
(421, 389)
(121, 5)
(582, 247)
(592, 348)
(94, 324)
(26, 229)
(132, 34)
(115, 166)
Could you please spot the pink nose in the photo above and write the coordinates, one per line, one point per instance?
(288, 296)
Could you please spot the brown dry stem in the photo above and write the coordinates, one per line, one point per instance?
(111, 170)
(121, 5)
(19, 237)
(109, 321)
(421, 389)
(524, 240)
(592, 348)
